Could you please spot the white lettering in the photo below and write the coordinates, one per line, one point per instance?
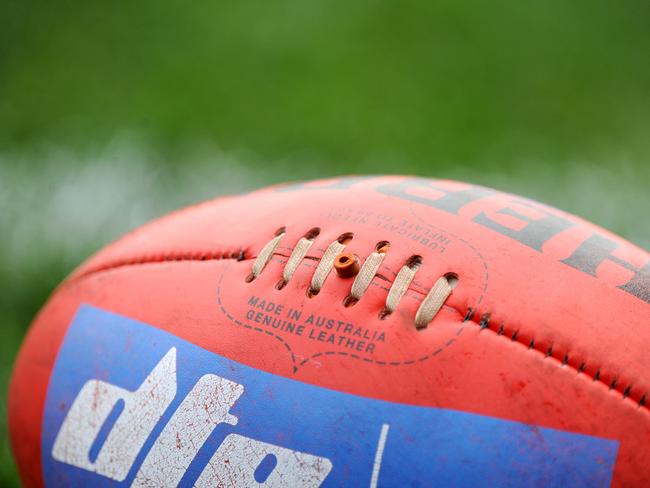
(205, 407)
(142, 410)
(235, 462)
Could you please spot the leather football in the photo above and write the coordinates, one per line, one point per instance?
(361, 331)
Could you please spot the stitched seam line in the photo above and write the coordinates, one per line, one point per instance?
(236, 255)
(626, 390)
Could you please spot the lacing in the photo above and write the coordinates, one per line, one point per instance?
(428, 309)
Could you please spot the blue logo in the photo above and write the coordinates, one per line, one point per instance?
(131, 405)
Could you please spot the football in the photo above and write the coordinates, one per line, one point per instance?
(359, 331)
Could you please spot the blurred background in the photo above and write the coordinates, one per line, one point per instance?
(113, 113)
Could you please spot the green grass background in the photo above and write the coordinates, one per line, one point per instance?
(112, 113)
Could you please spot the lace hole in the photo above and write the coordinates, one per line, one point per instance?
(250, 278)
(384, 314)
(345, 238)
(382, 247)
(350, 301)
(452, 279)
(414, 262)
(312, 234)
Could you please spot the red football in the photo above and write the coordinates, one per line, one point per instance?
(363, 331)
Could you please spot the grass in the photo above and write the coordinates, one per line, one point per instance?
(112, 114)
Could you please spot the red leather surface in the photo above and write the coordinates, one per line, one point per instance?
(545, 342)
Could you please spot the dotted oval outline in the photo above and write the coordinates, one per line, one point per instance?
(297, 365)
